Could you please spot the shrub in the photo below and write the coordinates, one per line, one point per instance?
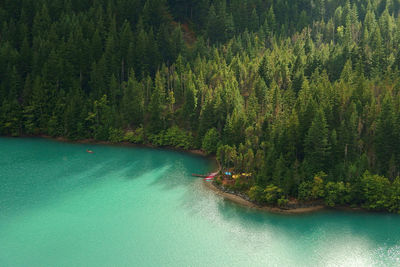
(394, 201)
(376, 191)
(305, 189)
(273, 194)
(336, 193)
(136, 137)
(318, 186)
(115, 135)
(240, 185)
(256, 193)
(282, 201)
(312, 190)
(177, 137)
(157, 139)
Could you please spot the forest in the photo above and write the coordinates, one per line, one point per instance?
(303, 95)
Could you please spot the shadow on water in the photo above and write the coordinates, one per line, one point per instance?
(56, 169)
(363, 225)
(45, 173)
(181, 168)
(42, 189)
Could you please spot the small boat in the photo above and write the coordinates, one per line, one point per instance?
(89, 151)
(208, 177)
(211, 176)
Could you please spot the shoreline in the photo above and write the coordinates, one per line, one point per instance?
(210, 185)
(248, 204)
(122, 144)
(127, 144)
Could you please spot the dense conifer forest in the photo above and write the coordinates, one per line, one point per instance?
(303, 95)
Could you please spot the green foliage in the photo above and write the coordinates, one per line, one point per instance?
(394, 201)
(282, 202)
(116, 135)
(318, 186)
(178, 138)
(156, 139)
(376, 190)
(100, 119)
(305, 189)
(240, 185)
(336, 193)
(133, 103)
(218, 181)
(316, 145)
(136, 137)
(385, 136)
(173, 137)
(210, 141)
(312, 190)
(156, 107)
(256, 193)
(274, 196)
(226, 156)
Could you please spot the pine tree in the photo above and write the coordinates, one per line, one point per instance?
(126, 40)
(210, 141)
(133, 102)
(41, 22)
(156, 107)
(101, 118)
(378, 54)
(385, 138)
(212, 24)
(254, 21)
(316, 146)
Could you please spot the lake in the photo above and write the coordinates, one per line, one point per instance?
(125, 206)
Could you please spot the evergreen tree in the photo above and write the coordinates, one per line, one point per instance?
(385, 136)
(156, 106)
(316, 146)
(210, 141)
(133, 102)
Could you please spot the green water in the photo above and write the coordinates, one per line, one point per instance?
(60, 206)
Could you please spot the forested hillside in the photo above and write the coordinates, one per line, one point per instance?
(304, 95)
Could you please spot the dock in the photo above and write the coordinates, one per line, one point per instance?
(208, 177)
(199, 175)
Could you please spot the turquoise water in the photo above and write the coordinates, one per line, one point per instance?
(60, 206)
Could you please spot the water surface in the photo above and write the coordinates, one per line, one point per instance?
(60, 206)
